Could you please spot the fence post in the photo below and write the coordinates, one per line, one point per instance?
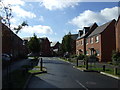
(103, 67)
(41, 64)
(115, 70)
(86, 64)
(77, 62)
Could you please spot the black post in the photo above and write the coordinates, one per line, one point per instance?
(115, 70)
(103, 67)
(86, 64)
(41, 64)
(77, 62)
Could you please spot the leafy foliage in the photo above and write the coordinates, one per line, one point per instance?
(34, 44)
(6, 13)
(81, 57)
(116, 57)
(24, 23)
(67, 44)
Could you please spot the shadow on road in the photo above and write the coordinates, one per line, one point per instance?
(39, 83)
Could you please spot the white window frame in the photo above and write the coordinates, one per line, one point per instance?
(91, 40)
(81, 42)
(96, 39)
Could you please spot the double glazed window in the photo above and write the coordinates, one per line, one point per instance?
(96, 39)
(91, 40)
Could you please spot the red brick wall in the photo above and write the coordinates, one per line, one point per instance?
(108, 42)
(95, 45)
(46, 48)
(11, 43)
(79, 46)
(118, 34)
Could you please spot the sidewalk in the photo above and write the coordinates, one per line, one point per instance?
(16, 65)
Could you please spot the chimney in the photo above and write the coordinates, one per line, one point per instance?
(86, 29)
(80, 33)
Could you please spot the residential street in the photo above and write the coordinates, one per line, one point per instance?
(61, 74)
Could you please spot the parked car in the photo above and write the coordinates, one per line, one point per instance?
(6, 57)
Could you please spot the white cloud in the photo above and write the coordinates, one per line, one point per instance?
(58, 4)
(41, 19)
(88, 17)
(38, 29)
(13, 2)
(22, 13)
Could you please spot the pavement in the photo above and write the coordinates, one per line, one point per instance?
(15, 65)
(61, 74)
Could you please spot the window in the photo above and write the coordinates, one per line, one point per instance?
(96, 39)
(98, 53)
(91, 40)
(81, 42)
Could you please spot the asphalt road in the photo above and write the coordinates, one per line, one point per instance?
(61, 74)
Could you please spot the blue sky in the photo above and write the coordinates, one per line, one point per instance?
(54, 19)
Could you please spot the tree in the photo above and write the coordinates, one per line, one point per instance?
(67, 44)
(34, 44)
(6, 15)
(24, 23)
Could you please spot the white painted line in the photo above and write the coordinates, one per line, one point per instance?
(82, 85)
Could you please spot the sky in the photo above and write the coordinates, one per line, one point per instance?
(55, 18)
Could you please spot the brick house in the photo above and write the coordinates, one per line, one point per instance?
(55, 48)
(102, 41)
(11, 43)
(45, 46)
(118, 34)
(74, 37)
(81, 40)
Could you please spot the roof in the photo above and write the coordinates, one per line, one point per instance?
(74, 36)
(90, 29)
(101, 28)
(53, 44)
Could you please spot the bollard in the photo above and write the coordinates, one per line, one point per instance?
(41, 64)
(103, 67)
(77, 62)
(115, 71)
(86, 64)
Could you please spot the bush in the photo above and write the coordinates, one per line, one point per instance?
(116, 57)
(80, 57)
(73, 56)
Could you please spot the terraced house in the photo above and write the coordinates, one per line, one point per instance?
(81, 40)
(102, 41)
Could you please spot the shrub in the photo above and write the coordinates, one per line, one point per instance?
(116, 57)
(81, 57)
(73, 56)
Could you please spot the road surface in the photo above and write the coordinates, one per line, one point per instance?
(61, 74)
